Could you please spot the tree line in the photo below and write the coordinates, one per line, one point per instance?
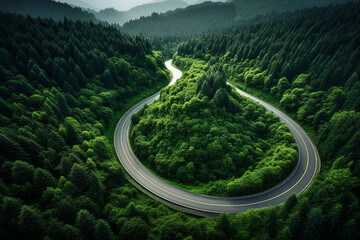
(191, 20)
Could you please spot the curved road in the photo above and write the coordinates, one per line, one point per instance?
(298, 181)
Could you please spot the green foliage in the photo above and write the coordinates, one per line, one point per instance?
(191, 20)
(80, 176)
(85, 222)
(56, 102)
(22, 172)
(30, 222)
(316, 50)
(201, 131)
(134, 228)
(103, 231)
(47, 9)
(315, 79)
(43, 179)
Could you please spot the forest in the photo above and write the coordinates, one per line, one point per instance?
(202, 133)
(308, 64)
(47, 9)
(61, 84)
(64, 85)
(194, 19)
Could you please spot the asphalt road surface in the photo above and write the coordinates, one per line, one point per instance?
(297, 182)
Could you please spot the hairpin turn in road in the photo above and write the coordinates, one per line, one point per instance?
(297, 182)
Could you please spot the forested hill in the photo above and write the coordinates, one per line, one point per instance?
(310, 41)
(46, 9)
(308, 63)
(191, 20)
(159, 7)
(211, 16)
(250, 8)
(112, 15)
(60, 84)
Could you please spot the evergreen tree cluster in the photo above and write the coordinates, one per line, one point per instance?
(61, 84)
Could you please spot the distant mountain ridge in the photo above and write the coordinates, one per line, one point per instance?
(194, 19)
(80, 3)
(112, 15)
(250, 8)
(159, 7)
(46, 9)
(207, 16)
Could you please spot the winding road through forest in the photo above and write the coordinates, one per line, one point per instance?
(297, 182)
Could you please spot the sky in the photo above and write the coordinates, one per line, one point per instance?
(121, 5)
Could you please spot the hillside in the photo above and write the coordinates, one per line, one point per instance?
(79, 3)
(120, 17)
(194, 19)
(158, 7)
(111, 15)
(61, 84)
(307, 63)
(250, 8)
(46, 9)
(210, 16)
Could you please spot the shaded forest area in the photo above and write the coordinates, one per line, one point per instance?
(61, 83)
(202, 133)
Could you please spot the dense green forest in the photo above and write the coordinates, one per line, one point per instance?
(167, 44)
(46, 9)
(62, 81)
(308, 63)
(191, 20)
(210, 16)
(202, 133)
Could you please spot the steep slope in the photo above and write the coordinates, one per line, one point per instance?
(46, 9)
